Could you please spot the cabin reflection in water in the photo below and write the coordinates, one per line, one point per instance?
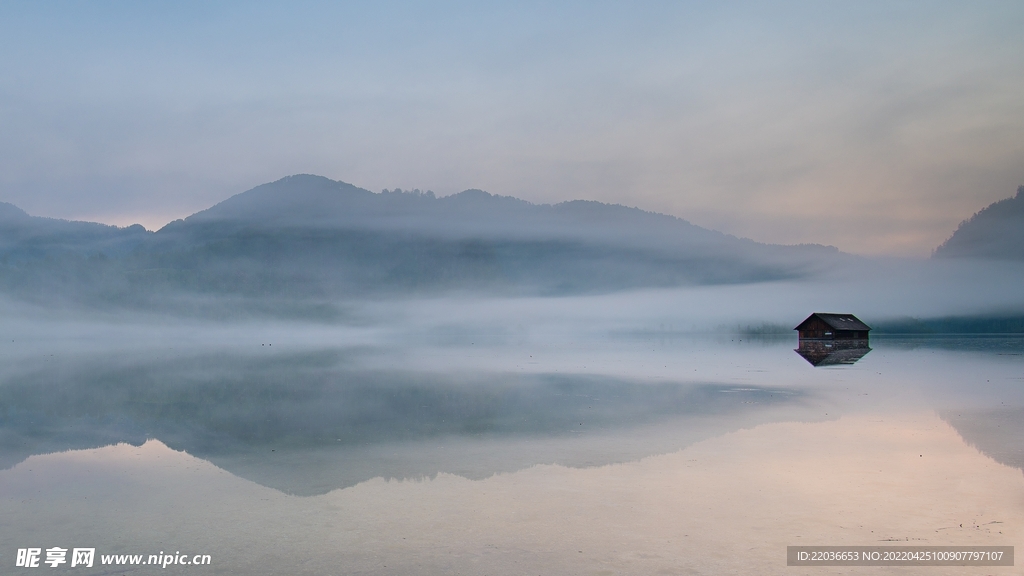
(828, 339)
(820, 353)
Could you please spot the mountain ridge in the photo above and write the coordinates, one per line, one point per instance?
(994, 232)
(306, 200)
(309, 238)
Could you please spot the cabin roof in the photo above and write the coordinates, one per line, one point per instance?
(837, 321)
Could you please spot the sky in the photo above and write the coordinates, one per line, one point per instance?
(875, 127)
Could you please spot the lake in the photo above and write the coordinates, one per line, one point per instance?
(511, 447)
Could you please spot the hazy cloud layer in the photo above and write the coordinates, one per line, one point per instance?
(873, 128)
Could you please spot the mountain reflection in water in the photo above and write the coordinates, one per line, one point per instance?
(349, 460)
(748, 494)
(998, 433)
(309, 423)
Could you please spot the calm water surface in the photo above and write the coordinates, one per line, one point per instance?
(312, 451)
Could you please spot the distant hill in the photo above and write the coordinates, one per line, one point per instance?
(316, 203)
(22, 236)
(997, 232)
(307, 237)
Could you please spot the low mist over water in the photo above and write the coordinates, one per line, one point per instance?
(374, 443)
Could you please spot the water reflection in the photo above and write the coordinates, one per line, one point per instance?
(832, 352)
(998, 433)
(310, 423)
(631, 455)
(745, 495)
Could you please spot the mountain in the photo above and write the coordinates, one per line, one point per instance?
(309, 238)
(22, 236)
(997, 232)
(314, 202)
(310, 234)
(46, 259)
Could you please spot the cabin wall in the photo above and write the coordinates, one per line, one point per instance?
(815, 329)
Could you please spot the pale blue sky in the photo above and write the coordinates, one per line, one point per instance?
(870, 126)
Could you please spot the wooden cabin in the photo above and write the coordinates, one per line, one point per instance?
(827, 339)
(828, 326)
